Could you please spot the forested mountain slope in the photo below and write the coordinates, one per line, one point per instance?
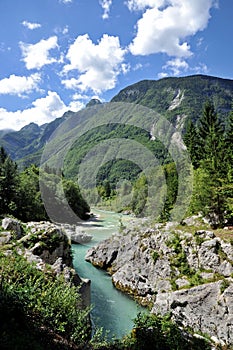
(178, 99)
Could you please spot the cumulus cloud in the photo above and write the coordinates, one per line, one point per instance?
(20, 85)
(43, 110)
(30, 25)
(37, 55)
(176, 66)
(166, 24)
(136, 5)
(106, 5)
(98, 65)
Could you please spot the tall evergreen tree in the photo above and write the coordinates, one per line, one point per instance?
(210, 179)
(211, 134)
(8, 183)
(191, 140)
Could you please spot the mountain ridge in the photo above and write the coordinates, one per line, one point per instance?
(176, 98)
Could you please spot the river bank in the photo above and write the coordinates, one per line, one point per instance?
(185, 271)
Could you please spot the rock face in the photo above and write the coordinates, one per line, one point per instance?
(76, 234)
(186, 274)
(44, 243)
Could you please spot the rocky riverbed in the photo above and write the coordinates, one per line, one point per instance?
(187, 272)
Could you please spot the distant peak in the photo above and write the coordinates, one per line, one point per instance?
(93, 102)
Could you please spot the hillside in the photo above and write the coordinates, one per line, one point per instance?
(181, 97)
(25, 145)
(178, 99)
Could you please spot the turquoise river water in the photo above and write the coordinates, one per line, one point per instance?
(111, 309)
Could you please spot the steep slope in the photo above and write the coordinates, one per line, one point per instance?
(180, 97)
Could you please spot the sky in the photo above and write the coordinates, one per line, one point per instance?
(55, 55)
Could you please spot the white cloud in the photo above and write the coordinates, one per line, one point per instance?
(98, 65)
(176, 66)
(201, 69)
(65, 30)
(43, 110)
(19, 85)
(31, 25)
(136, 5)
(106, 5)
(36, 55)
(66, 1)
(162, 75)
(61, 30)
(76, 106)
(78, 96)
(166, 24)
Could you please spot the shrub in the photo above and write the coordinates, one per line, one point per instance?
(48, 301)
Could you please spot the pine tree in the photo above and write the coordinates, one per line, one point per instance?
(192, 143)
(212, 179)
(9, 183)
(211, 134)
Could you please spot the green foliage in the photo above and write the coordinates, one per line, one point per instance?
(155, 256)
(157, 332)
(224, 285)
(116, 169)
(140, 193)
(192, 142)
(20, 193)
(47, 301)
(179, 260)
(30, 205)
(8, 184)
(213, 185)
(171, 178)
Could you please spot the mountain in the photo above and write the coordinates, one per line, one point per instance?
(178, 99)
(25, 146)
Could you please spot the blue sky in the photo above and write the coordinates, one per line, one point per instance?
(55, 55)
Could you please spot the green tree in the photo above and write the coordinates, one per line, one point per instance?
(191, 140)
(140, 194)
(8, 184)
(30, 205)
(75, 199)
(211, 135)
(208, 194)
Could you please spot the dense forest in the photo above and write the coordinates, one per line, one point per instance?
(123, 187)
(20, 192)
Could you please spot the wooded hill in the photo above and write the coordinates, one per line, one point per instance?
(200, 107)
(178, 99)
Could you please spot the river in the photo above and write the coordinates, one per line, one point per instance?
(111, 309)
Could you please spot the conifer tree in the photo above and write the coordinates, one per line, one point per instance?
(210, 180)
(8, 183)
(192, 143)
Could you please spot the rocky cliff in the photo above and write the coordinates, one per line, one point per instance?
(47, 246)
(186, 272)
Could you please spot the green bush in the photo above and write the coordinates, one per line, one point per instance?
(160, 333)
(48, 301)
